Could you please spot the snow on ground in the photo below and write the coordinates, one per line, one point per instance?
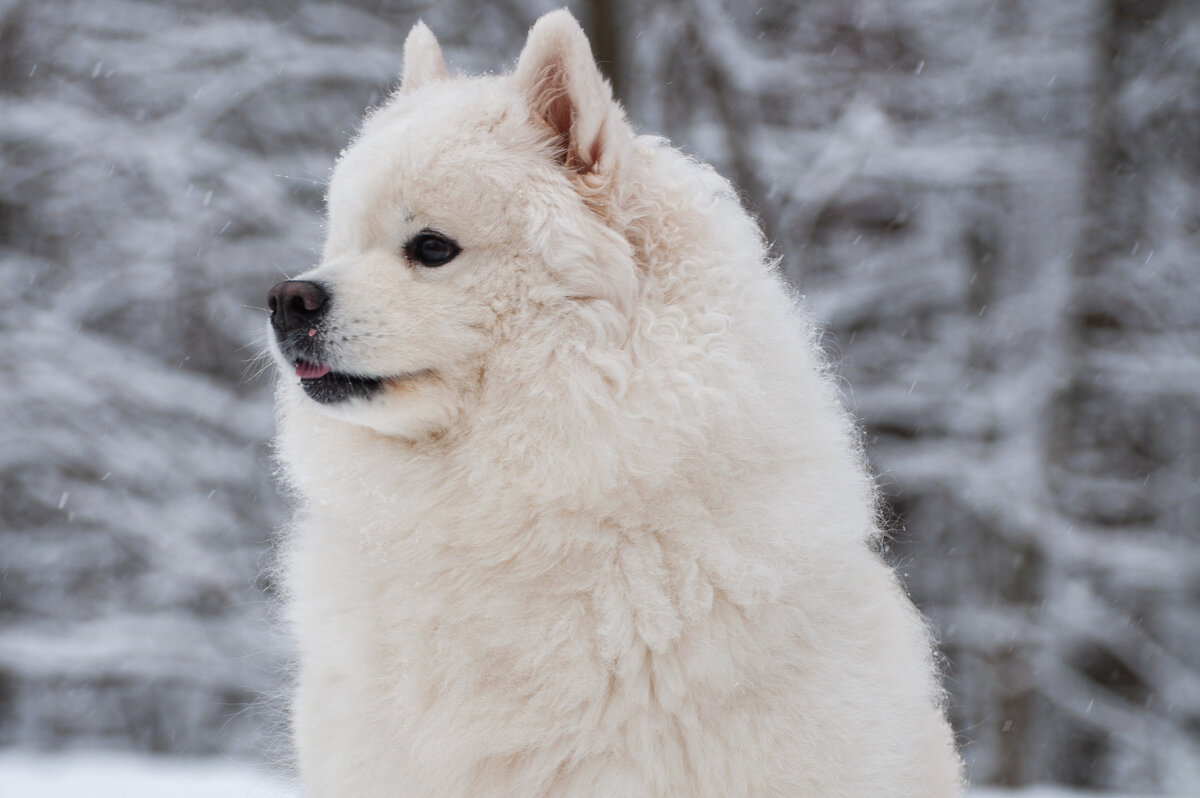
(1045, 792)
(122, 775)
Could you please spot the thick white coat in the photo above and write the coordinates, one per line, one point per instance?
(613, 539)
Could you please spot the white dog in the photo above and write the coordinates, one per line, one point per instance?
(580, 515)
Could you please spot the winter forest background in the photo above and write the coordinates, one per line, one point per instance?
(993, 205)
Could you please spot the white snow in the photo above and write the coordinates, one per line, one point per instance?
(122, 775)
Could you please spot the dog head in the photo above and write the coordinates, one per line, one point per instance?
(471, 235)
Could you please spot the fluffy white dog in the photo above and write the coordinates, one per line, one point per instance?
(580, 514)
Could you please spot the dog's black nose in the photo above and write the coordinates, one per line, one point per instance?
(296, 304)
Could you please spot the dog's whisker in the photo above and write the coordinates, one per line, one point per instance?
(259, 343)
(258, 363)
(309, 180)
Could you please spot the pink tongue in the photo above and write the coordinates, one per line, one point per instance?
(311, 371)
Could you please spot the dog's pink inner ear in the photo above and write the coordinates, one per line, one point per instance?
(565, 89)
(423, 62)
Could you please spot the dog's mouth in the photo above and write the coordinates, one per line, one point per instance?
(322, 384)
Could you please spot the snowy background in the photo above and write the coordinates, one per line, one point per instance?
(993, 205)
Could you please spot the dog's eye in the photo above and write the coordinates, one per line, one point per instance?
(431, 249)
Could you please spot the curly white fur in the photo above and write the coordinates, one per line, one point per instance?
(614, 539)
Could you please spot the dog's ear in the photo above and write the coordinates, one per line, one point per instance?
(566, 91)
(423, 61)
